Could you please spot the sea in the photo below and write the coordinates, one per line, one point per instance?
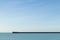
(11, 36)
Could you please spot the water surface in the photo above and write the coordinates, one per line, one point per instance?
(10, 36)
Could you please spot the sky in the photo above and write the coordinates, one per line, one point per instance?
(30, 15)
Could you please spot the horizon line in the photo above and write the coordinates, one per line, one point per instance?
(34, 32)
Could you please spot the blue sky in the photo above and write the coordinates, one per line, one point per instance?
(29, 15)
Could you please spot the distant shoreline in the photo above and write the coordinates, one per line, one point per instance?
(35, 32)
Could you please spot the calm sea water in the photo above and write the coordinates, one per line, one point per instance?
(10, 36)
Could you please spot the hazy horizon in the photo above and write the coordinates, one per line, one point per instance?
(30, 15)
